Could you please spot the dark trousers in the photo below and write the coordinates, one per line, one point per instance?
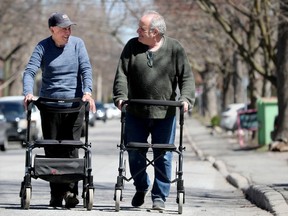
(62, 126)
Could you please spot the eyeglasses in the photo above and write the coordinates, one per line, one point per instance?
(141, 29)
(150, 58)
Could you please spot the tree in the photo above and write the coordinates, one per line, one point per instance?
(281, 136)
(16, 20)
(248, 24)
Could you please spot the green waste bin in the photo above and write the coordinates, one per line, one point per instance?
(267, 110)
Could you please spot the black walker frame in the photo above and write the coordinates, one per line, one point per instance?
(121, 178)
(58, 169)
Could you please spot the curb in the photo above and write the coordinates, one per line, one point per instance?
(262, 196)
(267, 198)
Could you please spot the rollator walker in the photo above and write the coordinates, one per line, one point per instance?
(136, 146)
(58, 170)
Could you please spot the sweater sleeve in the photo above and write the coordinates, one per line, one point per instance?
(32, 69)
(85, 67)
(120, 86)
(186, 81)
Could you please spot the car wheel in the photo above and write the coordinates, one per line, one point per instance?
(4, 145)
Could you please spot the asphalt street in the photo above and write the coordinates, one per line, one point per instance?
(207, 191)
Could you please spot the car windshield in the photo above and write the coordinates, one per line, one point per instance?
(99, 106)
(12, 110)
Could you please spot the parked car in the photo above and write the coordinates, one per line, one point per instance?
(3, 134)
(13, 109)
(91, 122)
(100, 111)
(112, 111)
(92, 119)
(229, 116)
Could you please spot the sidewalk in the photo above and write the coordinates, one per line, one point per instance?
(262, 175)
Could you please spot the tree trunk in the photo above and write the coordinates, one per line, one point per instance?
(238, 77)
(282, 78)
(211, 101)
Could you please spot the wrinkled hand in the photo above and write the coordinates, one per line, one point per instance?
(27, 98)
(119, 105)
(91, 102)
(185, 106)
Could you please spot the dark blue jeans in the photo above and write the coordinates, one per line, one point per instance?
(161, 131)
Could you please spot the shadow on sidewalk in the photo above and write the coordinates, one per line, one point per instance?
(248, 148)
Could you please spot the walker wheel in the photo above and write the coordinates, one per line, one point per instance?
(25, 198)
(117, 200)
(89, 199)
(180, 202)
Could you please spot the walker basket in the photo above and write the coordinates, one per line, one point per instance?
(59, 170)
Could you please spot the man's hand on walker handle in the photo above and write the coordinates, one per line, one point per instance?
(185, 106)
(88, 97)
(27, 98)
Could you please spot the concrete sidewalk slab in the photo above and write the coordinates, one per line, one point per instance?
(262, 175)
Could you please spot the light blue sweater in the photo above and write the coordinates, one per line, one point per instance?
(66, 72)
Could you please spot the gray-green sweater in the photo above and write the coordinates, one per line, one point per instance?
(135, 79)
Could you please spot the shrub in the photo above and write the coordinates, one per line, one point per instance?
(215, 121)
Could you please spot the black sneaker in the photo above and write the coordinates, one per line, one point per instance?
(56, 202)
(158, 204)
(70, 200)
(138, 198)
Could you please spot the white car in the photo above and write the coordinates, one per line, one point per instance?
(229, 116)
(112, 111)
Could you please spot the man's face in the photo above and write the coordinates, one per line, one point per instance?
(60, 35)
(145, 36)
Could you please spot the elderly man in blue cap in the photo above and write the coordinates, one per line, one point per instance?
(66, 73)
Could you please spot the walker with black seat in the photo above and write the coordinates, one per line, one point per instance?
(121, 178)
(58, 170)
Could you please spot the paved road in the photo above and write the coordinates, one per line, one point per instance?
(207, 191)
